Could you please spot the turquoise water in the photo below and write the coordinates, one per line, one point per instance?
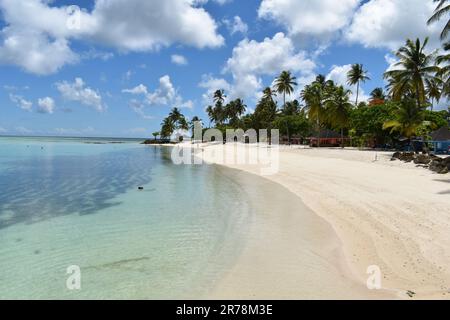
(67, 202)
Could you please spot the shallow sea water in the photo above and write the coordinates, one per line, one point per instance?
(66, 202)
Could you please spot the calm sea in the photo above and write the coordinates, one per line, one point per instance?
(75, 202)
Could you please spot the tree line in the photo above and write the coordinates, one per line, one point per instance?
(404, 109)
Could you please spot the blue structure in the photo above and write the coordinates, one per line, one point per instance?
(441, 140)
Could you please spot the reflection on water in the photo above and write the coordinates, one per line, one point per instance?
(79, 205)
(40, 188)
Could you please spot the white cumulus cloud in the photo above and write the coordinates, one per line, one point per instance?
(179, 60)
(309, 18)
(252, 59)
(236, 25)
(387, 23)
(46, 105)
(36, 35)
(78, 92)
(21, 102)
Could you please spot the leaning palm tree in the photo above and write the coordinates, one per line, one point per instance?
(338, 109)
(356, 76)
(414, 67)
(442, 9)
(433, 89)
(285, 84)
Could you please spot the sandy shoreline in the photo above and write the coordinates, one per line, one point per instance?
(383, 213)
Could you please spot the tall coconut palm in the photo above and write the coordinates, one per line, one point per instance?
(356, 76)
(219, 97)
(433, 89)
(415, 65)
(338, 109)
(442, 9)
(285, 84)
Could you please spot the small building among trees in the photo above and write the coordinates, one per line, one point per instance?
(441, 140)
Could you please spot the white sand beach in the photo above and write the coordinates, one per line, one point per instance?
(360, 209)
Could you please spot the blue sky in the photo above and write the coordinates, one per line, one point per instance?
(117, 67)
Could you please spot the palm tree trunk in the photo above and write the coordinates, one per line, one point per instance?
(418, 95)
(342, 138)
(318, 129)
(287, 123)
(357, 94)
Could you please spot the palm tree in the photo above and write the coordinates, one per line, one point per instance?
(355, 76)
(377, 94)
(210, 112)
(415, 67)
(219, 96)
(433, 89)
(285, 84)
(168, 128)
(155, 134)
(234, 110)
(338, 109)
(269, 94)
(443, 61)
(408, 118)
(441, 10)
(175, 115)
(314, 95)
(182, 123)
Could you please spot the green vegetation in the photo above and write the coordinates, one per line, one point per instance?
(416, 83)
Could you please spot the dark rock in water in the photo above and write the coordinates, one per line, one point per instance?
(141, 188)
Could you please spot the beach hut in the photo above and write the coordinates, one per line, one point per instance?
(441, 140)
(328, 138)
